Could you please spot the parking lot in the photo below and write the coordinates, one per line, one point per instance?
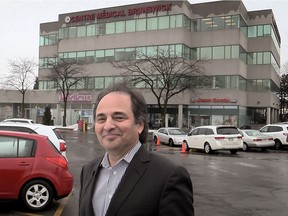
(248, 183)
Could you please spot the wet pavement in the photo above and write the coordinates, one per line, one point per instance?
(248, 183)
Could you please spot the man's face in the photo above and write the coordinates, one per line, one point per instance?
(115, 124)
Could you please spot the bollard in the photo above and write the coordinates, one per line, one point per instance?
(158, 141)
(183, 150)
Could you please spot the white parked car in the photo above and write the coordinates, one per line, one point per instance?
(19, 120)
(169, 135)
(255, 139)
(279, 132)
(38, 129)
(214, 137)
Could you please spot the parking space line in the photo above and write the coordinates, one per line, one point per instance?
(63, 202)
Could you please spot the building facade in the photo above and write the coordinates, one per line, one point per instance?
(242, 47)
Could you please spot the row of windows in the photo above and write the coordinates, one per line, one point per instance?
(208, 53)
(158, 23)
(213, 82)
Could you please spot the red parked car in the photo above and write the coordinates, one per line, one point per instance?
(32, 170)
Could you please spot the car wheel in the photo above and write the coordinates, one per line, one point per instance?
(245, 147)
(171, 143)
(187, 149)
(233, 151)
(278, 144)
(37, 195)
(155, 139)
(207, 148)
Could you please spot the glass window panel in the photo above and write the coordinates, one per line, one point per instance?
(91, 30)
(81, 31)
(81, 56)
(186, 22)
(179, 21)
(227, 52)
(267, 85)
(120, 27)
(152, 51)
(234, 82)
(61, 33)
(141, 53)
(100, 29)
(251, 85)
(259, 58)
(267, 30)
(178, 50)
(259, 85)
(206, 24)
(163, 22)
(152, 23)
(218, 52)
(266, 58)
(109, 55)
(130, 53)
(242, 84)
(72, 32)
(218, 23)
(110, 28)
(91, 83)
(235, 22)
(53, 39)
(108, 81)
(235, 51)
(100, 56)
(99, 82)
(260, 31)
(172, 21)
(41, 41)
(141, 25)
(252, 31)
(130, 26)
(90, 55)
(194, 26)
(206, 52)
(120, 54)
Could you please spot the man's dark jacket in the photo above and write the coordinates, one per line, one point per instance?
(151, 186)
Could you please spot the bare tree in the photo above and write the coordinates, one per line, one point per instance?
(66, 74)
(21, 77)
(165, 73)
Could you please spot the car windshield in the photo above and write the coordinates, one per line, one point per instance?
(227, 130)
(253, 133)
(176, 132)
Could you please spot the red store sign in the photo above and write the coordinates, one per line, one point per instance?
(77, 97)
(119, 13)
(213, 100)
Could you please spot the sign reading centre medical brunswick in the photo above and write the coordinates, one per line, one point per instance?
(119, 13)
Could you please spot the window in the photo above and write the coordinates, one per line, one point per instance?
(81, 31)
(130, 26)
(141, 25)
(110, 28)
(12, 147)
(152, 23)
(91, 30)
(163, 22)
(120, 27)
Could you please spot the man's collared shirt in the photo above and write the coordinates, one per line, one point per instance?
(108, 180)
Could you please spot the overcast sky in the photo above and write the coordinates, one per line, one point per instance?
(20, 21)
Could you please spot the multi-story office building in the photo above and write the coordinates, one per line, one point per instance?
(243, 49)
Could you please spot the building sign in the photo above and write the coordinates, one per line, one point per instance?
(119, 13)
(213, 100)
(77, 97)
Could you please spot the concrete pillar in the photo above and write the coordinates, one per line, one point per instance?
(180, 115)
(268, 115)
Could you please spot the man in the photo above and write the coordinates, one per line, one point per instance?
(128, 180)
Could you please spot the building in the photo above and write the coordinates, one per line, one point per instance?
(243, 49)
